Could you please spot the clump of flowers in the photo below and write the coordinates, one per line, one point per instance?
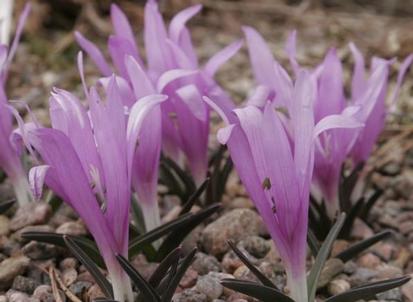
(10, 151)
(88, 161)
(366, 104)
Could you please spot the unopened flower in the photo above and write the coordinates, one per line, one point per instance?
(275, 163)
(88, 160)
(10, 155)
(172, 69)
(366, 104)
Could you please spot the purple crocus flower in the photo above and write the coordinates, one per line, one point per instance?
(173, 69)
(10, 155)
(366, 105)
(88, 160)
(275, 163)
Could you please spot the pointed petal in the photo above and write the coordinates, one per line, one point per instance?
(221, 57)
(141, 84)
(94, 53)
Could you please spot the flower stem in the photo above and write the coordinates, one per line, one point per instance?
(297, 283)
(151, 216)
(21, 190)
(122, 288)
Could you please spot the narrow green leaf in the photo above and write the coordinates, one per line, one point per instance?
(179, 234)
(93, 269)
(144, 287)
(164, 266)
(86, 244)
(260, 292)
(371, 201)
(173, 284)
(369, 291)
(260, 276)
(194, 197)
(137, 244)
(347, 185)
(321, 258)
(351, 214)
(359, 247)
(313, 242)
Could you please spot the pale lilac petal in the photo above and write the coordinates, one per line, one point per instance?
(141, 84)
(291, 50)
(259, 97)
(158, 56)
(221, 57)
(402, 72)
(181, 59)
(123, 29)
(173, 75)
(261, 58)
(226, 118)
(126, 94)
(119, 48)
(94, 53)
(330, 98)
(224, 134)
(358, 81)
(37, 177)
(192, 98)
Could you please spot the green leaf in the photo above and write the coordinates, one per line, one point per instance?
(186, 262)
(138, 243)
(322, 256)
(347, 185)
(144, 287)
(351, 214)
(5, 205)
(260, 276)
(86, 244)
(164, 266)
(359, 247)
(93, 269)
(313, 242)
(371, 201)
(260, 292)
(369, 291)
(194, 197)
(179, 234)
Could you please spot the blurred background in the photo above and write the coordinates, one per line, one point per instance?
(47, 52)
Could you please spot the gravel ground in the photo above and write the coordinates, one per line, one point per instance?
(47, 55)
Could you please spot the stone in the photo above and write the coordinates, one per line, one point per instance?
(338, 286)
(69, 262)
(24, 284)
(210, 284)
(332, 268)
(189, 278)
(16, 296)
(4, 225)
(361, 275)
(39, 251)
(255, 245)
(74, 228)
(31, 228)
(190, 295)
(44, 293)
(94, 292)
(33, 213)
(369, 260)
(361, 230)
(407, 291)
(79, 288)
(10, 268)
(234, 225)
(230, 262)
(69, 276)
(204, 264)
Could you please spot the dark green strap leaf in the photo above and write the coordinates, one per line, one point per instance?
(263, 279)
(86, 244)
(369, 291)
(194, 197)
(164, 266)
(255, 290)
(90, 265)
(313, 242)
(144, 287)
(175, 238)
(173, 284)
(138, 243)
(359, 247)
(322, 256)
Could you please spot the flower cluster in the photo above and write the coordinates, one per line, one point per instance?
(289, 140)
